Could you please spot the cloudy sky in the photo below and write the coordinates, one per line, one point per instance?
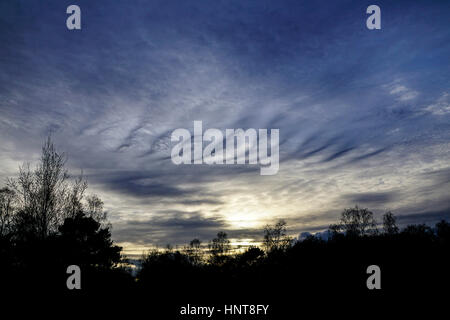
(363, 114)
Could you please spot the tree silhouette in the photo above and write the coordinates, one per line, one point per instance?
(443, 231)
(86, 243)
(219, 247)
(6, 210)
(46, 225)
(251, 256)
(95, 208)
(355, 222)
(221, 244)
(194, 251)
(418, 232)
(275, 237)
(44, 194)
(389, 223)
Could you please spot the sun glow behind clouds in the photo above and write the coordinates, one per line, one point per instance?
(346, 127)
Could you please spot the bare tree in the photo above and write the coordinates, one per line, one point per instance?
(220, 245)
(275, 237)
(74, 198)
(44, 195)
(95, 208)
(195, 243)
(355, 222)
(194, 251)
(389, 223)
(6, 210)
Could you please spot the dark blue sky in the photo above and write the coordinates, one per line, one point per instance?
(363, 115)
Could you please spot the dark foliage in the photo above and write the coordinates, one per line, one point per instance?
(46, 226)
(37, 247)
(412, 260)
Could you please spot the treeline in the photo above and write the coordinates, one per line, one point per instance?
(47, 222)
(354, 224)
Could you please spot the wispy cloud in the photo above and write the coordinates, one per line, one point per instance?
(363, 116)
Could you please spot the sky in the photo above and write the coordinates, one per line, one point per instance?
(363, 115)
